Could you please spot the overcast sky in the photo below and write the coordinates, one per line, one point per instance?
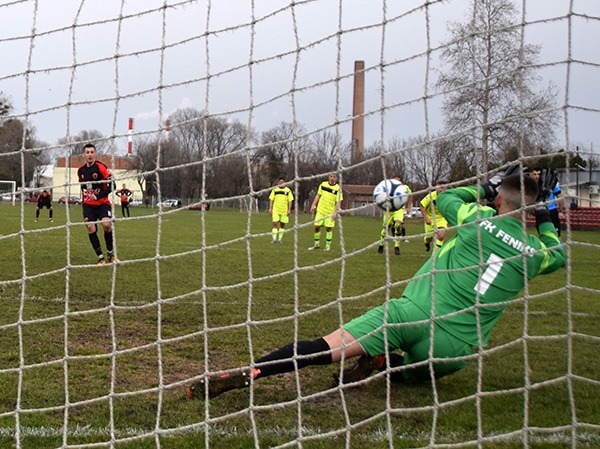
(65, 65)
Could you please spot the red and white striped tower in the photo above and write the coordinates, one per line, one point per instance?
(130, 138)
(168, 128)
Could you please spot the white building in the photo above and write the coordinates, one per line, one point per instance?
(581, 187)
(65, 183)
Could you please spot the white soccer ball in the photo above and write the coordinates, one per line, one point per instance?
(390, 195)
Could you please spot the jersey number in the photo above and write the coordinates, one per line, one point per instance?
(487, 278)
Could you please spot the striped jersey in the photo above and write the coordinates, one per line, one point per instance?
(330, 196)
(97, 180)
(390, 218)
(429, 203)
(281, 197)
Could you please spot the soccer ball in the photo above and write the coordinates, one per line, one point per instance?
(390, 195)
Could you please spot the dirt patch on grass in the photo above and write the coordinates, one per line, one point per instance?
(90, 340)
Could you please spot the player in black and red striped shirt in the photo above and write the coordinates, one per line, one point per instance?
(96, 183)
(125, 195)
(44, 200)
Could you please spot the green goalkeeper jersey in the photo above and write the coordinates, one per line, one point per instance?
(471, 279)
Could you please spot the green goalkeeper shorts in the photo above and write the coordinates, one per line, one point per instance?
(408, 328)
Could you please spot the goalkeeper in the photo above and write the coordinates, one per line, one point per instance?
(466, 285)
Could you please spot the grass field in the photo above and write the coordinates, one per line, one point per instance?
(120, 344)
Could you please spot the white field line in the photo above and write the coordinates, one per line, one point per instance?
(585, 438)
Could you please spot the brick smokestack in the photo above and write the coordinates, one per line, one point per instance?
(358, 110)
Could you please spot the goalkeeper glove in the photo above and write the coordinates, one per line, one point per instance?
(492, 187)
(546, 185)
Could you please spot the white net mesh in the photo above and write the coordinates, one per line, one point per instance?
(226, 97)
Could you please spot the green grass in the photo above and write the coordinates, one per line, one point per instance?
(120, 344)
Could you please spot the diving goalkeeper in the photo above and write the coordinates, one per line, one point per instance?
(466, 286)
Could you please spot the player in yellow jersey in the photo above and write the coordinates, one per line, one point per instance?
(280, 208)
(435, 223)
(327, 205)
(393, 223)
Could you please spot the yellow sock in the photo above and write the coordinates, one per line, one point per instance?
(328, 236)
(317, 238)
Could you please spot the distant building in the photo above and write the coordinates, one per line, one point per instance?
(359, 200)
(580, 188)
(64, 177)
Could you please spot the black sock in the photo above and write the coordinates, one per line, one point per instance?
(280, 360)
(95, 241)
(108, 238)
(396, 360)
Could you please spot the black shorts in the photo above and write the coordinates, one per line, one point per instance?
(555, 220)
(42, 205)
(95, 213)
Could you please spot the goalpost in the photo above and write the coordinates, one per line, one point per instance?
(226, 99)
(12, 191)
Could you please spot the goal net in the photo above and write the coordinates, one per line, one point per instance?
(199, 108)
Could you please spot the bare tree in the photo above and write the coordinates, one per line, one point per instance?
(5, 105)
(428, 161)
(41, 160)
(76, 143)
(229, 176)
(594, 161)
(144, 163)
(385, 161)
(492, 100)
(200, 135)
(287, 151)
(16, 143)
(173, 174)
(204, 157)
(280, 147)
(201, 144)
(331, 148)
